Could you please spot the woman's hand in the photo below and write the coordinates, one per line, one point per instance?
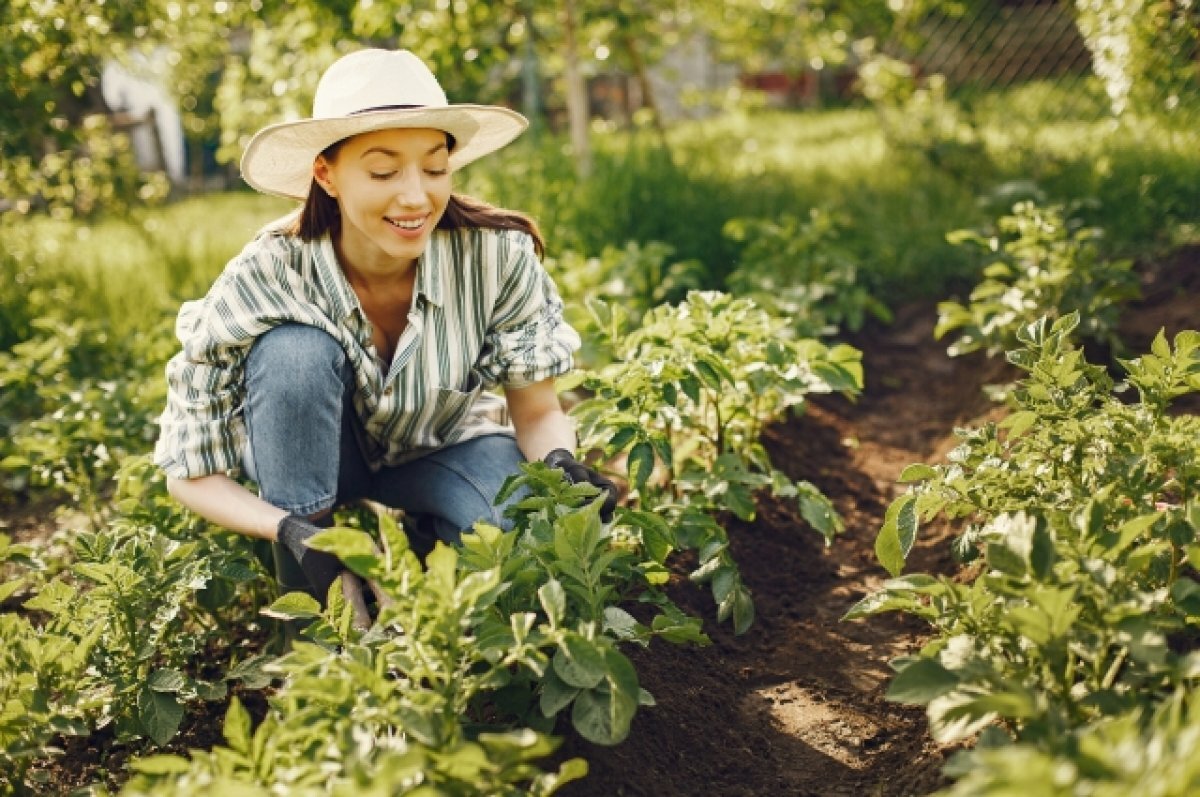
(578, 473)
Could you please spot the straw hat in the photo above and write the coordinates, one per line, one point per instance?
(366, 91)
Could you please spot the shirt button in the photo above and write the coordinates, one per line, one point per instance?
(387, 391)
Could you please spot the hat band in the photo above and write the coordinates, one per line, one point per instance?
(387, 108)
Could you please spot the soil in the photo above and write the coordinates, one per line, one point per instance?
(796, 705)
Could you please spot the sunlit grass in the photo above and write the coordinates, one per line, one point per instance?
(122, 269)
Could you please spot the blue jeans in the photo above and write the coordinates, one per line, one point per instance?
(299, 412)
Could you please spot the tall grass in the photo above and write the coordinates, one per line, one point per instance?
(120, 270)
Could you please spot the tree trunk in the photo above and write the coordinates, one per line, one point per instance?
(577, 96)
(647, 89)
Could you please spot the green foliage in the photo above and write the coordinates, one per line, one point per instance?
(1047, 266)
(801, 270)
(684, 401)
(468, 654)
(1140, 752)
(1082, 511)
(638, 276)
(69, 430)
(1144, 52)
(121, 636)
(60, 151)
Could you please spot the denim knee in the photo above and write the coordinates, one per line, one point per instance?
(299, 360)
(297, 380)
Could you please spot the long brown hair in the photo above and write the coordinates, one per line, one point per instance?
(319, 214)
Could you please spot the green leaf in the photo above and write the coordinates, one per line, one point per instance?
(159, 715)
(553, 600)
(237, 726)
(921, 681)
(1019, 422)
(10, 588)
(917, 473)
(166, 680)
(656, 534)
(556, 695)
(354, 548)
(238, 572)
(743, 610)
(897, 535)
(641, 463)
(740, 501)
(621, 624)
(691, 388)
(819, 512)
(708, 374)
(1132, 529)
(1041, 552)
(621, 438)
(579, 662)
(294, 606)
(603, 715)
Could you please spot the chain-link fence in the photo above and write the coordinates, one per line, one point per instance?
(1087, 58)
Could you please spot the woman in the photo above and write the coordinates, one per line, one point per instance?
(345, 352)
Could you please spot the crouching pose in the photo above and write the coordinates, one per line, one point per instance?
(349, 350)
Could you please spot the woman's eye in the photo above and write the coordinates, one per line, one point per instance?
(437, 172)
(382, 175)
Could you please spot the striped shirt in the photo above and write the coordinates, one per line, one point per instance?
(484, 313)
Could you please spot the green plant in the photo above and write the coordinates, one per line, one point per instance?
(1141, 752)
(686, 396)
(1084, 513)
(801, 270)
(146, 597)
(394, 704)
(1047, 265)
(639, 276)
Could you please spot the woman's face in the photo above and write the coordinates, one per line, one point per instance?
(391, 187)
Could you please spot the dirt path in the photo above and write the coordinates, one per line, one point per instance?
(795, 706)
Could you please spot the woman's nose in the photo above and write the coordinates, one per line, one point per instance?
(410, 189)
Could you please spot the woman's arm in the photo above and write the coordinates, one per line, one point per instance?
(539, 420)
(223, 501)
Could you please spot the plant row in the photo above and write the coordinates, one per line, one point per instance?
(475, 652)
(1069, 653)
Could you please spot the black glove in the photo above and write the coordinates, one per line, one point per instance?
(578, 473)
(321, 568)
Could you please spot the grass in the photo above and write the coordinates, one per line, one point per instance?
(120, 270)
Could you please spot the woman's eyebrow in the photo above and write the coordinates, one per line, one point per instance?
(391, 153)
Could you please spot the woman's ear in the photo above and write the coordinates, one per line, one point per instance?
(321, 175)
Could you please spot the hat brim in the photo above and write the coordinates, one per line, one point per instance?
(279, 158)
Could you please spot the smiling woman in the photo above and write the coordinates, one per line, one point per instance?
(348, 351)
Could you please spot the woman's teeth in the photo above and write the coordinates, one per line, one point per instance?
(407, 224)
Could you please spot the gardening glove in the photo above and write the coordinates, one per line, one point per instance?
(321, 568)
(578, 473)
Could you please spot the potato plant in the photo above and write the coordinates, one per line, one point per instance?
(801, 269)
(1044, 264)
(683, 403)
(118, 637)
(1082, 513)
(472, 656)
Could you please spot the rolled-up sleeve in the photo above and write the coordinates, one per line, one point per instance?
(202, 430)
(527, 340)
